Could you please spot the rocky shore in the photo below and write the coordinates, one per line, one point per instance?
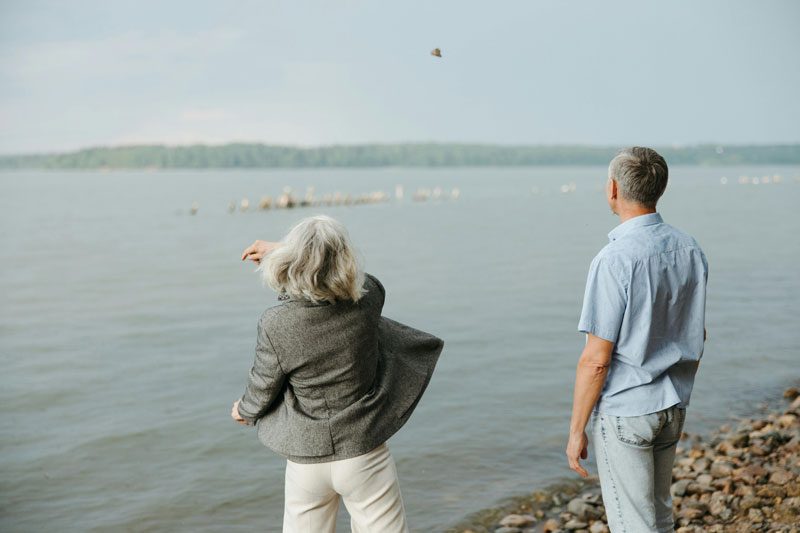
(738, 479)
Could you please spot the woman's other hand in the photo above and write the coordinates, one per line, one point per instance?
(235, 413)
(256, 251)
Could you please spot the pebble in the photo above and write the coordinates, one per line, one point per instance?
(598, 527)
(583, 510)
(517, 520)
(679, 487)
(574, 524)
(781, 477)
(551, 525)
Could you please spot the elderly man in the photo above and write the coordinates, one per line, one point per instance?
(643, 315)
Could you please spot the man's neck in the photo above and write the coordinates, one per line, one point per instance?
(634, 211)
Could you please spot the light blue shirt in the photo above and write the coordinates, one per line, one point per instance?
(646, 293)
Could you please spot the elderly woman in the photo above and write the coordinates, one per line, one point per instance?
(332, 381)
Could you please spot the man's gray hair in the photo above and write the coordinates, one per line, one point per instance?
(315, 261)
(641, 175)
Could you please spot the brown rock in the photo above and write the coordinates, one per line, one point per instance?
(691, 514)
(598, 527)
(755, 514)
(791, 393)
(795, 406)
(748, 502)
(750, 474)
(718, 503)
(721, 469)
(792, 489)
(781, 477)
(771, 492)
(791, 504)
(786, 421)
(551, 525)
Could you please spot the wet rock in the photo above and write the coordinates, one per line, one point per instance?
(791, 393)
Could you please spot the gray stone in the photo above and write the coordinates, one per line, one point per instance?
(517, 520)
(598, 527)
(574, 524)
(582, 509)
(705, 479)
(679, 487)
(721, 469)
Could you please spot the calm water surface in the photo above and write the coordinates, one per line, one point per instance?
(127, 328)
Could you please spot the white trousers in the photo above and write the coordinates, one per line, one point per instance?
(367, 484)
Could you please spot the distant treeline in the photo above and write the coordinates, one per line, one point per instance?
(242, 155)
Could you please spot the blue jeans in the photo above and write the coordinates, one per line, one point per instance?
(634, 457)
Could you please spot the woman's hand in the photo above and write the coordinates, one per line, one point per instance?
(256, 251)
(235, 413)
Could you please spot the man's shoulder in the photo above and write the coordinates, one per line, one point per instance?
(614, 253)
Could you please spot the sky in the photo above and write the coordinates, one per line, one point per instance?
(112, 72)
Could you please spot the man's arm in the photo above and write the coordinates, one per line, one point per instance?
(589, 379)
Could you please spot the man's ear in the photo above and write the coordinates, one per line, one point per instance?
(612, 188)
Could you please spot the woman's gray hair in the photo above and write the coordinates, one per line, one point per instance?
(315, 261)
(641, 174)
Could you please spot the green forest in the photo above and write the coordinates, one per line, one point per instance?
(242, 155)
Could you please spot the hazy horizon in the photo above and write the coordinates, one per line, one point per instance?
(92, 73)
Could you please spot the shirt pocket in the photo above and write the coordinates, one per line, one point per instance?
(639, 431)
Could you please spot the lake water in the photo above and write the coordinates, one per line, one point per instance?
(127, 329)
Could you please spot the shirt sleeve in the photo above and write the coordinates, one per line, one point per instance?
(265, 380)
(604, 301)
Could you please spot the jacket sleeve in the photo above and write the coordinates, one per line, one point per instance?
(265, 381)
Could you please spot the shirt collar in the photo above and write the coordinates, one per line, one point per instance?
(635, 222)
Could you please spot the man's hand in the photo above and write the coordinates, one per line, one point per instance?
(235, 413)
(256, 251)
(576, 450)
(589, 379)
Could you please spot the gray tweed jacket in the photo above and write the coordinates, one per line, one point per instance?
(333, 381)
